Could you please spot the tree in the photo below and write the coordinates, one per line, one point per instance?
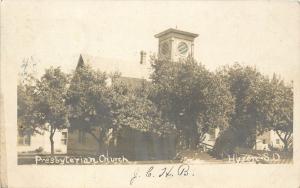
(261, 105)
(244, 87)
(41, 104)
(132, 108)
(89, 103)
(110, 108)
(50, 92)
(27, 113)
(191, 97)
(26, 100)
(275, 101)
(135, 114)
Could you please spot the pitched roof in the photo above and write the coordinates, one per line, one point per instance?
(108, 65)
(171, 30)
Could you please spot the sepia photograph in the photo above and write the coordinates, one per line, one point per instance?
(119, 84)
(164, 107)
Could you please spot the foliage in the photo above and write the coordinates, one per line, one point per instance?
(41, 104)
(132, 108)
(244, 85)
(96, 105)
(227, 142)
(27, 113)
(182, 97)
(275, 101)
(260, 105)
(88, 102)
(191, 97)
(51, 91)
(26, 100)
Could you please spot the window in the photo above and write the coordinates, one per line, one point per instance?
(277, 141)
(264, 141)
(24, 140)
(182, 48)
(64, 138)
(164, 49)
(82, 137)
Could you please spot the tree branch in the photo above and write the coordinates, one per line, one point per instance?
(280, 136)
(98, 139)
(289, 135)
(285, 135)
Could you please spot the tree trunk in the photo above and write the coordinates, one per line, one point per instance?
(284, 139)
(52, 131)
(194, 141)
(99, 146)
(100, 140)
(52, 144)
(286, 146)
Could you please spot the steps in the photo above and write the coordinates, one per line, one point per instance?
(195, 157)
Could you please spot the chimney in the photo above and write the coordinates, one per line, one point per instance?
(143, 57)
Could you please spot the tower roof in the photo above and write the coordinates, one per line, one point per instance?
(175, 31)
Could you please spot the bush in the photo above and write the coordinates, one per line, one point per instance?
(39, 150)
(226, 143)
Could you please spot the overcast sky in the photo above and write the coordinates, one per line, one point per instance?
(264, 34)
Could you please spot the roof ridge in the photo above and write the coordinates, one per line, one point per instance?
(109, 65)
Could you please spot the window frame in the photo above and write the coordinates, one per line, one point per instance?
(64, 138)
(25, 140)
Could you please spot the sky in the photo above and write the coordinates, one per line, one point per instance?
(264, 34)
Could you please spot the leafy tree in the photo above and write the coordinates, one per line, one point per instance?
(51, 92)
(191, 97)
(244, 86)
(89, 103)
(27, 115)
(110, 108)
(133, 109)
(275, 101)
(134, 113)
(41, 104)
(26, 100)
(260, 105)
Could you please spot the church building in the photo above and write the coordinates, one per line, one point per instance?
(173, 45)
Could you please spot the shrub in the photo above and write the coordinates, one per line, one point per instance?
(39, 150)
(226, 143)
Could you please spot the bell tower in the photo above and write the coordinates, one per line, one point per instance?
(174, 44)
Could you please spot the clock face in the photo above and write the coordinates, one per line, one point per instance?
(182, 48)
(164, 48)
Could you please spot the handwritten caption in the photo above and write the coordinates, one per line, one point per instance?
(165, 172)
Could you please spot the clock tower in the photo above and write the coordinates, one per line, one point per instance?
(174, 44)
